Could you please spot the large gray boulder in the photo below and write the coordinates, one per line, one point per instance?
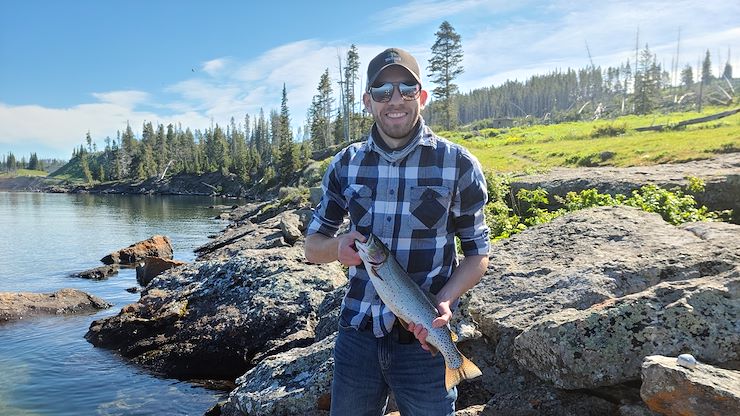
(670, 389)
(296, 382)
(16, 306)
(605, 344)
(587, 257)
(215, 319)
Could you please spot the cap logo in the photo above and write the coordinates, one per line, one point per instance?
(393, 57)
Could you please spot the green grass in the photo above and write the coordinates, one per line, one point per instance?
(23, 172)
(540, 147)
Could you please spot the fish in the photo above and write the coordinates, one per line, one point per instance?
(410, 303)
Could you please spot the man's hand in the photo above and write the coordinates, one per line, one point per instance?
(321, 249)
(346, 251)
(443, 319)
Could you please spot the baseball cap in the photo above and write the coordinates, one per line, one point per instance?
(389, 57)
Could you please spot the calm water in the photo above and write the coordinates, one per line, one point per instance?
(46, 365)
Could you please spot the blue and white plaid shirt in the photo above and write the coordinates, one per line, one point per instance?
(415, 200)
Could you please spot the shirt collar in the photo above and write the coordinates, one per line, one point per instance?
(423, 136)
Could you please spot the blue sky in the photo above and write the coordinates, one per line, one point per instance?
(68, 67)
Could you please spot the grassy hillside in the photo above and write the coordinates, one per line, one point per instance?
(23, 172)
(601, 142)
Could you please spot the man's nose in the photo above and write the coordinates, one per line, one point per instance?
(396, 95)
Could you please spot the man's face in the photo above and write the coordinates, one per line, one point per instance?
(396, 118)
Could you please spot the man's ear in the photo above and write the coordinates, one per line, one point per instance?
(366, 101)
(423, 98)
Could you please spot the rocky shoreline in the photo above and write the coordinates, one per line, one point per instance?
(581, 316)
(560, 324)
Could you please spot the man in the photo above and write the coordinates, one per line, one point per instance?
(415, 191)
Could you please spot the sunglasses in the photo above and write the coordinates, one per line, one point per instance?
(383, 93)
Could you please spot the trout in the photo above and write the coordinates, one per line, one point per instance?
(412, 304)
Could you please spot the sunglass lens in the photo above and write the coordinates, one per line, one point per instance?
(408, 92)
(383, 93)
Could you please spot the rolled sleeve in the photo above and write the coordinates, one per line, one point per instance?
(471, 200)
(332, 208)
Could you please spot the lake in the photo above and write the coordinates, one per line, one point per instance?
(46, 365)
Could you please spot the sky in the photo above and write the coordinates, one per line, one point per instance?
(69, 67)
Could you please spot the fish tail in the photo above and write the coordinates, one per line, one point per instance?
(466, 371)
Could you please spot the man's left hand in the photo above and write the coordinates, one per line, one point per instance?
(421, 333)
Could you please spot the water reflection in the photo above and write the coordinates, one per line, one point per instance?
(46, 366)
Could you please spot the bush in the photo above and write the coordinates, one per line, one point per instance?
(507, 215)
(609, 130)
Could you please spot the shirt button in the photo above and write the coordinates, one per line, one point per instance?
(392, 192)
(388, 219)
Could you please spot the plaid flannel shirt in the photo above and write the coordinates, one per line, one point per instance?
(415, 200)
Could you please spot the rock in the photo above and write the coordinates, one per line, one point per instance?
(98, 273)
(635, 410)
(290, 227)
(576, 261)
(673, 390)
(156, 246)
(296, 382)
(14, 306)
(216, 318)
(605, 345)
(720, 175)
(226, 238)
(151, 267)
(547, 401)
(686, 360)
(133, 290)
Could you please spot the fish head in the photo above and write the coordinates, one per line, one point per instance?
(372, 251)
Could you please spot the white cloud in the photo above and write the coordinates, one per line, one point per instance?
(59, 130)
(215, 66)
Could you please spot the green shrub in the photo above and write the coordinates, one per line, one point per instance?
(609, 130)
(507, 215)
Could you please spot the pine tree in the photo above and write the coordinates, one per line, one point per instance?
(320, 114)
(687, 76)
(445, 66)
(85, 168)
(289, 164)
(727, 73)
(647, 82)
(351, 75)
(33, 162)
(706, 69)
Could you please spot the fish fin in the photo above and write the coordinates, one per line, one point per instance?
(453, 335)
(466, 371)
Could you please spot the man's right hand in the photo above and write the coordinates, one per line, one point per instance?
(346, 251)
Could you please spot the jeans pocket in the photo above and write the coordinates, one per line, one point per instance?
(429, 206)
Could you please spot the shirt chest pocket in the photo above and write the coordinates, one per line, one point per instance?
(430, 206)
(359, 204)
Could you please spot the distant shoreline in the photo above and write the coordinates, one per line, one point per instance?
(210, 184)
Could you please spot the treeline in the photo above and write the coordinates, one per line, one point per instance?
(10, 163)
(593, 92)
(259, 150)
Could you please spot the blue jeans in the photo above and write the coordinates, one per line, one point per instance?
(365, 368)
